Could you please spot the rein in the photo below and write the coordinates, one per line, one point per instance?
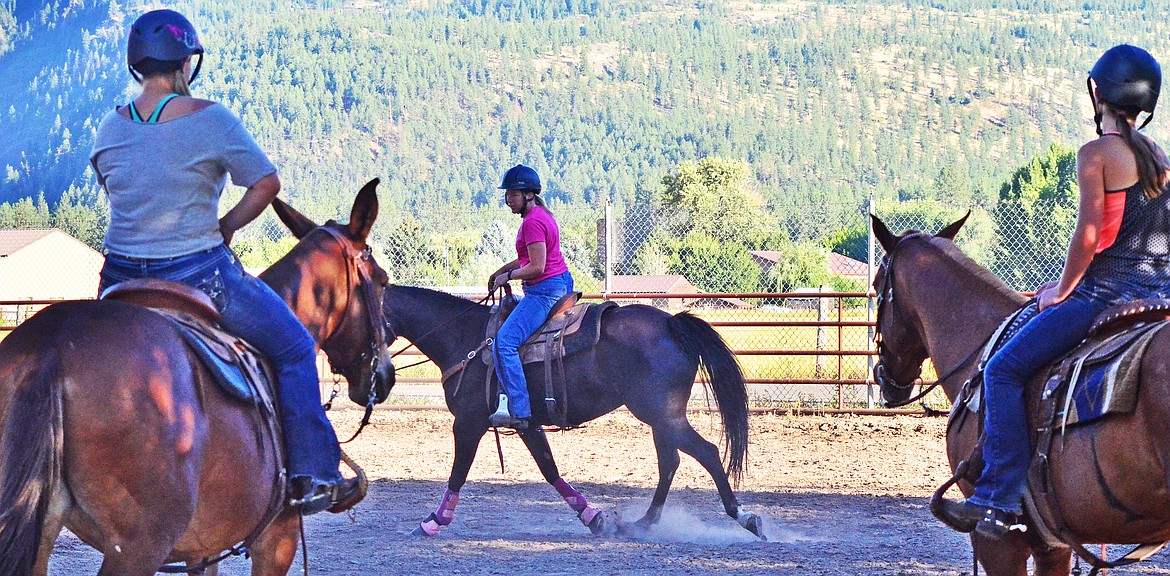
(432, 331)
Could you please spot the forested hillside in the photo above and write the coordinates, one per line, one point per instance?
(823, 102)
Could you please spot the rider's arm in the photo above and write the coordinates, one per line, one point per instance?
(255, 200)
(1083, 245)
(537, 258)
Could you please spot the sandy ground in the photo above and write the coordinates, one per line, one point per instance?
(840, 494)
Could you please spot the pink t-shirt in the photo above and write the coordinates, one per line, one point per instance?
(539, 226)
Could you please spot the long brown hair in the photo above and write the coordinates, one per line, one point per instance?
(1152, 164)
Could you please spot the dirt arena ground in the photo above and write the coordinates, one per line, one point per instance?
(840, 494)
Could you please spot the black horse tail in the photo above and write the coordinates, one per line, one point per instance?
(720, 372)
(30, 462)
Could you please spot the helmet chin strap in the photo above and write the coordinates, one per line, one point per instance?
(1097, 116)
(195, 74)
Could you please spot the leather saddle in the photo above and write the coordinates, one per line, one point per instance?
(238, 368)
(570, 328)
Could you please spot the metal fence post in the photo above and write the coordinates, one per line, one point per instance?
(871, 208)
(607, 287)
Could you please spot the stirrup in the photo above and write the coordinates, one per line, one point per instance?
(508, 421)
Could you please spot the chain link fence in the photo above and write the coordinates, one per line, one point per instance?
(784, 285)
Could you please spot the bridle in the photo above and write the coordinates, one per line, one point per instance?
(885, 297)
(358, 264)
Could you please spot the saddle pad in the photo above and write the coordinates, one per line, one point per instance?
(1102, 377)
(237, 368)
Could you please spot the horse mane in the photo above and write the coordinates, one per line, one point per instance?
(459, 304)
(970, 266)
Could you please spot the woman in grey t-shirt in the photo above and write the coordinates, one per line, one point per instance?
(164, 159)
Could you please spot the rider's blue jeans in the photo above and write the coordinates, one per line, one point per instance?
(251, 310)
(525, 319)
(1049, 335)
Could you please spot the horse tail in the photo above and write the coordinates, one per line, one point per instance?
(30, 462)
(720, 372)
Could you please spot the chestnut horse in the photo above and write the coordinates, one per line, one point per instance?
(113, 429)
(1110, 475)
(645, 360)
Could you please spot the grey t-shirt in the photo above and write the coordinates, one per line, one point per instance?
(164, 180)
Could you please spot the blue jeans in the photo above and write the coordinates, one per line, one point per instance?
(525, 319)
(251, 310)
(1046, 337)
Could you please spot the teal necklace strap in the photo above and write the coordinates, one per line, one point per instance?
(135, 116)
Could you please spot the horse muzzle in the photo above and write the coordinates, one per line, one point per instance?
(892, 390)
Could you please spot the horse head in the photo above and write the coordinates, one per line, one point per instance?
(339, 294)
(898, 332)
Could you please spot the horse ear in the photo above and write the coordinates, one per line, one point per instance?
(296, 222)
(365, 211)
(950, 231)
(883, 235)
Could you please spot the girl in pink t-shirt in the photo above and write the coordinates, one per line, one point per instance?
(541, 267)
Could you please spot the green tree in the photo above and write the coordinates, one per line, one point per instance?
(712, 265)
(1034, 219)
(714, 197)
(799, 266)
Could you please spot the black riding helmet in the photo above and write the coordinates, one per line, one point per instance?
(162, 37)
(1128, 78)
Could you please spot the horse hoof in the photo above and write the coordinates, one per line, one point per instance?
(754, 524)
(428, 528)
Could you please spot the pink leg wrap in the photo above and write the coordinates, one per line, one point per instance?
(430, 527)
(446, 512)
(588, 514)
(572, 497)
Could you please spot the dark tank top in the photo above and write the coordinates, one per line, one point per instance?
(1140, 253)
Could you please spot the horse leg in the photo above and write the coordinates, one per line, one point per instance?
(54, 521)
(707, 454)
(1052, 561)
(667, 447)
(468, 432)
(537, 442)
(1007, 556)
(274, 551)
(134, 557)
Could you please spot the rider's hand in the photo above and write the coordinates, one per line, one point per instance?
(1047, 286)
(500, 280)
(1049, 297)
(227, 235)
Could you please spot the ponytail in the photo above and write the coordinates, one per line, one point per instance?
(1152, 164)
(539, 202)
(182, 88)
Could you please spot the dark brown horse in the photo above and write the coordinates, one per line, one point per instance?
(1110, 476)
(113, 429)
(646, 360)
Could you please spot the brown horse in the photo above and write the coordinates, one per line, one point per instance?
(112, 428)
(1110, 476)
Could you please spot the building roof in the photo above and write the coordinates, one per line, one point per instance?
(771, 256)
(846, 266)
(838, 264)
(652, 284)
(13, 240)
